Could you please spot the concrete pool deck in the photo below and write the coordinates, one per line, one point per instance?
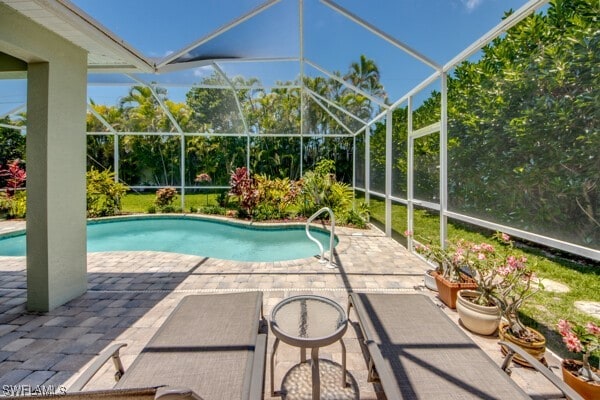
(130, 294)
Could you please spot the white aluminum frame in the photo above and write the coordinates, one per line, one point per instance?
(440, 72)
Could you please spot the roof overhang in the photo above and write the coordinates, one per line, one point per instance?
(106, 51)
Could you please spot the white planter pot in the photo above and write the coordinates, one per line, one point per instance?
(429, 281)
(483, 320)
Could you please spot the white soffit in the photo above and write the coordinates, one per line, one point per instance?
(106, 51)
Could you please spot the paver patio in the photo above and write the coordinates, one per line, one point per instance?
(130, 294)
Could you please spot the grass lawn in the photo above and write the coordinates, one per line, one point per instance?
(140, 202)
(545, 308)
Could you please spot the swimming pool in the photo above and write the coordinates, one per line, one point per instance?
(191, 235)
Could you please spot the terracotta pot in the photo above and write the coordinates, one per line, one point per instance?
(447, 291)
(483, 320)
(536, 348)
(587, 390)
(429, 280)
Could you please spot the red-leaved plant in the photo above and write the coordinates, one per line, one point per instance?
(16, 177)
(244, 187)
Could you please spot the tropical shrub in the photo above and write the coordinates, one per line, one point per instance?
(13, 201)
(14, 206)
(213, 210)
(165, 198)
(275, 197)
(244, 187)
(12, 145)
(351, 217)
(321, 189)
(103, 195)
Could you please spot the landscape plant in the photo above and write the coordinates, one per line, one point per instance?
(165, 198)
(12, 200)
(203, 178)
(320, 188)
(244, 188)
(275, 196)
(103, 193)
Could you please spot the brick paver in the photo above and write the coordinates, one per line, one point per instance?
(130, 294)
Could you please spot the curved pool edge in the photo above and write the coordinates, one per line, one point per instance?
(342, 243)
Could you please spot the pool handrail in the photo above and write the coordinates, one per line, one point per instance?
(331, 236)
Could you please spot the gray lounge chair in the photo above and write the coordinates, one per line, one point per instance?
(214, 345)
(416, 352)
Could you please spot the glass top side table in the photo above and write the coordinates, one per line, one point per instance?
(309, 321)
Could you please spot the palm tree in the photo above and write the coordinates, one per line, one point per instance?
(365, 75)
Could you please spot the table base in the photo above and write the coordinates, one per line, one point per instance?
(315, 376)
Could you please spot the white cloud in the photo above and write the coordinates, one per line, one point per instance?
(201, 72)
(470, 5)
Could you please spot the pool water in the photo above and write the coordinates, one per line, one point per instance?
(193, 236)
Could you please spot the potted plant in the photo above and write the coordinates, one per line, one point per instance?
(477, 307)
(580, 375)
(517, 283)
(428, 276)
(449, 273)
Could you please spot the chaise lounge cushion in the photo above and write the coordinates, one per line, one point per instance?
(207, 344)
(419, 353)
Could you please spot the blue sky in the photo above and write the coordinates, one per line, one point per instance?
(438, 29)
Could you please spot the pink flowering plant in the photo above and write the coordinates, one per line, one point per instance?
(438, 257)
(503, 276)
(582, 339)
(514, 283)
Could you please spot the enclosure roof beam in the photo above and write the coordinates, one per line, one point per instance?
(218, 32)
(232, 60)
(196, 85)
(428, 81)
(332, 115)
(378, 32)
(14, 110)
(18, 128)
(343, 82)
(160, 102)
(503, 26)
(333, 104)
(100, 118)
(235, 95)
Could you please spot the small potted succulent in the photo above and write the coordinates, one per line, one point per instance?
(580, 375)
